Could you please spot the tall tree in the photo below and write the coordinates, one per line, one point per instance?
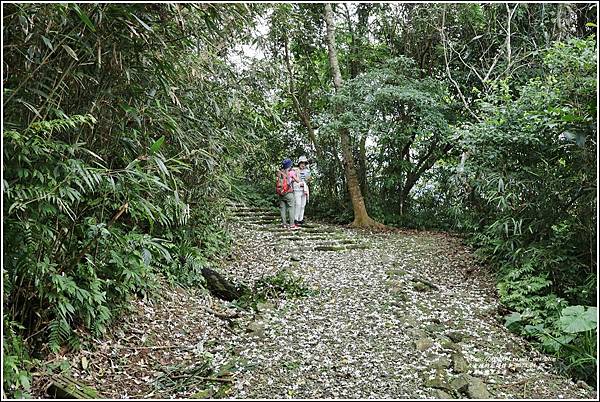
(357, 55)
(361, 217)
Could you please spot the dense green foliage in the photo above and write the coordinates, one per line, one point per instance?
(532, 174)
(407, 121)
(122, 138)
(127, 127)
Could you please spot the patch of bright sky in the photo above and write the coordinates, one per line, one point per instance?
(245, 54)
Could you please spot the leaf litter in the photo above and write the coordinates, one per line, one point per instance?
(366, 331)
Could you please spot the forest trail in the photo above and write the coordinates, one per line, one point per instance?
(394, 314)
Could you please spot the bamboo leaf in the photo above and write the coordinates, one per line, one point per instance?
(157, 144)
(71, 52)
(142, 23)
(93, 154)
(84, 18)
(47, 42)
(161, 166)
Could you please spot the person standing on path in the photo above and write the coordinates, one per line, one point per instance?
(286, 176)
(301, 189)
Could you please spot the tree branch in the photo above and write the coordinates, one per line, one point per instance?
(456, 85)
(302, 114)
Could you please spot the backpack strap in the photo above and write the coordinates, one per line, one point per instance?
(290, 182)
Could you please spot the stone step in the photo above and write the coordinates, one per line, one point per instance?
(261, 226)
(328, 247)
(306, 237)
(349, 241)
(234, 204)
(346, 247)
(255, 217)
(323, 242)
(257, 222)
(267, 212)
(273, 229)
(359, 246)
(308, 246)
(245, 207)
(302, 234)
(253, 209)
(261, 221)
(322, 229)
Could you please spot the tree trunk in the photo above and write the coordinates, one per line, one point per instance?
(361, 217)
(362, 164)
(413, 176)
(404, 198)
(333, 61)
(363, 10)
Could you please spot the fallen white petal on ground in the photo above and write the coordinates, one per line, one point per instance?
(355, 337)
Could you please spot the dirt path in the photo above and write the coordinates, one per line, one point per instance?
(394, 315)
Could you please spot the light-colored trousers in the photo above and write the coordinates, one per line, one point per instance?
(300, 197)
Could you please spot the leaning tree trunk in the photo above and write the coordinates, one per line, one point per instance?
(361, 217)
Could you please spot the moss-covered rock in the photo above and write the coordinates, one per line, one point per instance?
(459, 363)
(456, 336)
(423, 344)
(477, 389)
(460, 383)
(395, 273)
(330, 248)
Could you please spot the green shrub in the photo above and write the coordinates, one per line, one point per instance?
(17, 363)
(532, 170)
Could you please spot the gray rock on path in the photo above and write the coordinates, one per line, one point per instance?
(473, 387)
(421, 287)
(256, 328)
(441, 394)
(447, 343)
(456, 336)
(459, 363)
(434, 328)
(423, 344)
(460, 383)
(442, 363)
(477, 389)
(438, 382)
